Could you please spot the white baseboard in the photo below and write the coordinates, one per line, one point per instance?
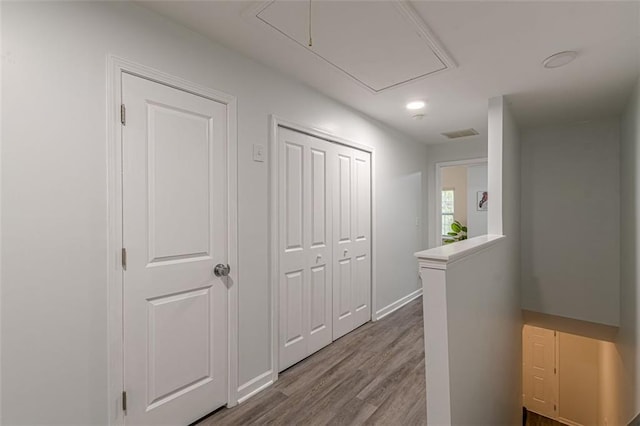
(398, 304)
(255, 385)
(568, 422)
(266, 379)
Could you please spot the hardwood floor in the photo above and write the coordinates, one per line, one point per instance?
(534, 419)
(373, 375)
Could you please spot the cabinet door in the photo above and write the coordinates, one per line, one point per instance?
(539, 381)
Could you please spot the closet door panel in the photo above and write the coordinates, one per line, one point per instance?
(344, 189)
(319, 250)
(362, 237)
(293, 288)
(324, 202)
(343, 245)
(305, 223)
(352, 253)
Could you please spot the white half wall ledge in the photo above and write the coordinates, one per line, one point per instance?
(466, 296)
(440, 257)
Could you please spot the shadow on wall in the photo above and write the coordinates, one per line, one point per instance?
(630, 187)
(402, 207)
(571, 181)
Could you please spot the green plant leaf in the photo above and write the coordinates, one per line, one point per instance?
(456, 227)
(453, 234)
(464, 229)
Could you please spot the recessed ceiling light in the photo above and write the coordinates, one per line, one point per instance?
(560, 59)
(415, 105)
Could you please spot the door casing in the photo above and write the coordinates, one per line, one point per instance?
(115, 68)
(274, 256)
(436, 238)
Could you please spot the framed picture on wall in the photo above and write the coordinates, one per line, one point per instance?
(482, 201)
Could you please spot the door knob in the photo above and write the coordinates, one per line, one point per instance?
(221, 270)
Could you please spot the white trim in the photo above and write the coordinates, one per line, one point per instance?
(319, 133)
(556, 365)
(414, 18)
(274, 240)
(436, 345)
(276, 122)
(436, 238)
(392, 307)
(567, 421)
(444, 256)
(115, 67)
(1, 217)
(374, 239)
(254, 386)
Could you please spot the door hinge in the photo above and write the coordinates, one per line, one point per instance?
(124, 401)
(124, 258)
(555, 408)
(555, 370)
(123, 115)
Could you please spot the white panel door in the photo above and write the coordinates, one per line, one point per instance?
(305, 246)
(352, 240)
(540, 383)
(174, 231)
(361, 237)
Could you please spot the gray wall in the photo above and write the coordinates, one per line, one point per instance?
(571, 221)
(629, 337)
(54, 193)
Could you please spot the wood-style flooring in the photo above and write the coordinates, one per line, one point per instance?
(534, 419)
(373, 375)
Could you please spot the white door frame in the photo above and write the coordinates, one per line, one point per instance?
(115, 68)
(437, 214)
(274, 254)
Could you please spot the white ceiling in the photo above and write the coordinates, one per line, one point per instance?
(498, 48)
(352, 35)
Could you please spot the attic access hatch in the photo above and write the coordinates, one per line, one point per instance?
(379, 44)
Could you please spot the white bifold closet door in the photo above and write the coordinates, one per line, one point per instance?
(351, 240)
(324, 241)
(305, 242)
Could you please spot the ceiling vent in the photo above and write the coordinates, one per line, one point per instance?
(460, 133)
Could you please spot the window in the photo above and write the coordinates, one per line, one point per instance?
(447, 210)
